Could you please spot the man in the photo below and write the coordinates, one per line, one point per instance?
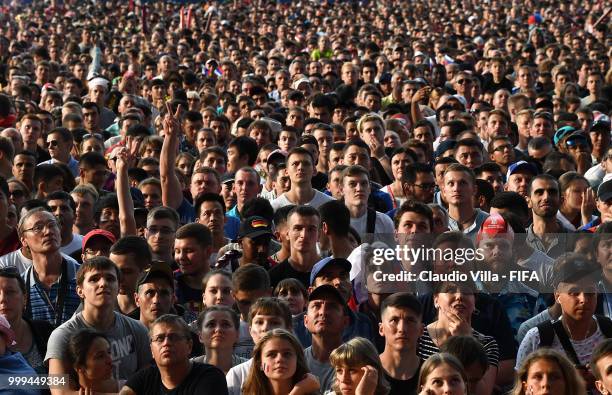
(604, 206)
(303, 223)
(546, 233)
(300, 167)
(459, 191)
(254, 240)
(401, 325)
(421, 182)
(324, 136)
(131, 255)
(30, 127)
(519, 177)
(325, 318)
(85, 197)
(242, 151)
(335, 226)
(356, 190)
(9, 238)
(468, 152)
(48, 178)
(50, 280)
(162, 223)
(60, 142)
(247, 185)
(98, 89)
(192, 249)
(491, 173)
(63, 207)
(501, 151)
(371, 129)
(93, 170)
(171, 345)
(98, 242)
(210, 212)
(600, 366)
(24, 164)
(542, 125)
(97, 286)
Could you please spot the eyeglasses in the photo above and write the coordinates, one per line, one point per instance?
(162, 231)
(502, 147)
(426, 187)
(464, 81)
(97, 251)
(17, 193)
(94, 135)
(172, 337)
(39, 228)
(576, 144)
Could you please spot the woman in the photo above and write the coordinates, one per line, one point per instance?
(278, 366)
(398, 190)
(455, 304)
(217, 289)
(30, 336)
(12, 364)
(442, 373)
(89, 353)
(184, 164)
(358, 369)
(293, 292)
(578, 201)
(547, 371)
(218, 332)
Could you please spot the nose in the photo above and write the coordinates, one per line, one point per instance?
(344, 377)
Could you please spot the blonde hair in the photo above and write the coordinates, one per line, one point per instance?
(369, 117)
(359, 352)
(436, 360)
(257, 383)
(574, 385)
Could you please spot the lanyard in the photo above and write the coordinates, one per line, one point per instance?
(58, 309)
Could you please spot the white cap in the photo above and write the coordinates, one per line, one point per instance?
(98, 81)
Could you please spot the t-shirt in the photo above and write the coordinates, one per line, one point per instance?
(318, 199)
(202, 379)
(244, 346)
(237, 376)
(128, 339)
(322, 370)
(382, 225)
(284, 270)
(404, 387)
(189, 298)
(426, 346)
(75, 245)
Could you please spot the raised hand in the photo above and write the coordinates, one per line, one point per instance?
(369, 381)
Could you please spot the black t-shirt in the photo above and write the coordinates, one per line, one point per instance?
(319, 181)
(203, 379)
(284, 270)
(404, 387)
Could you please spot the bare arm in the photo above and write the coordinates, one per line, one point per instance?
(59, 366)
(415, 110)
(487, 383)
(172, 196)
(506, 373)
(126, 391)
(127, 223)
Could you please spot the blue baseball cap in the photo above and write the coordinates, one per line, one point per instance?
(521, 165)
(562, 132)
(319, 266)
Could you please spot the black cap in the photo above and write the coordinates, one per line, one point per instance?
(157, 270)
(327, 291)
(574, 269)
(604, 192)
(255, 226)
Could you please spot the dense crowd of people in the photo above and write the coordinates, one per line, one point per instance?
(306, 197)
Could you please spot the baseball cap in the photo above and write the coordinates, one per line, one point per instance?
(494, 226)
(6, 331)
(521, 165)
(227, 178)
(157, 270)
(324, 291)
(602, 123)
(277, 154)
(98, 233)
(562, 132)
(574, 269)
(297, 83)
(254, 226)
(444, 146)
(316, 269)
(604, 192)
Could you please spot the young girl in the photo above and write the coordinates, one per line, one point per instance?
(293, 292)
(442, 373)
(90, 356)
(217, 289)
(279, 367)
(357, 365)
(547, 371)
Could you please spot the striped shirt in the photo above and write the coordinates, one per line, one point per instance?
(426, 346)
(43, 302)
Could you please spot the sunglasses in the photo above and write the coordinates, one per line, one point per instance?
(53, 143)
(464, 81)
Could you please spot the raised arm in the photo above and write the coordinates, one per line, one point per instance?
(172, 196)
(127, 223)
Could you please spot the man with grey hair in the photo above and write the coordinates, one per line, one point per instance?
(15, 137)
(171, 344)
(50, 281)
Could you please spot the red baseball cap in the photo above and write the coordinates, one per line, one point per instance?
(98, 233)
(495, 226)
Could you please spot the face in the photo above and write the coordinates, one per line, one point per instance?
(84, 212)
(218, 291)
(160, 235)
(205, 139)
(413, 223)
(294, 298)
(216, 161)
(109, 220)
(99, 361)
(399, 163)
(152, 196)
(12, 299)
(155, 299)
(356, 189)
(423, 187)
(129, 272)
(469, 156)
(544, 377)
(41, 233)
(212, 216)
(23, 167)
(458, 187)
(372, 133)
(58, 148)
(338, 277)
(218, 331)
(605, 209)
(30, 131)
(503, 152)
(458, 302)
(401, 328)
(325, 317)
(603, 365)
(169, 345)
(497, 253)
(572, 197)
(99, 288)
(348, 378)
(303, 232)
(278, 359)
(95, 175)
(578, 300)
(444, 380)
(191, 257)
(300, 168)
(246, 186)
(544, 199)
(263, 323)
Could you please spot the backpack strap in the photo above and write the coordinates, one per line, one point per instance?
(566, 343)
(547, 333)
(605, 325)
(371, 221)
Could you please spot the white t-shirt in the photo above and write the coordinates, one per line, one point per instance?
(237, 376)
(244, 346)
(18, 260)
(318, 199)
(75, 244)
(383, 224)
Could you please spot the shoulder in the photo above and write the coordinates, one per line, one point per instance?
(130, 324)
